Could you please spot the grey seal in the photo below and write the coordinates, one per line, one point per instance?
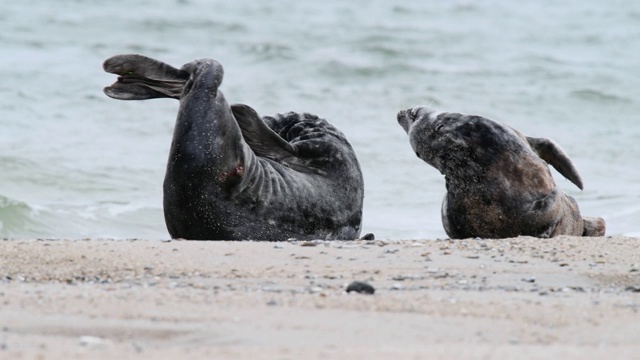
(498, 181)
(233, 175)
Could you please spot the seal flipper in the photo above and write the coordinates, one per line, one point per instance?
(594, 226)
(553, 154)
(143, 78)
(265, 142)
(128, 89)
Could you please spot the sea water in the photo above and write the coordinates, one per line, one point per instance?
(75, 163)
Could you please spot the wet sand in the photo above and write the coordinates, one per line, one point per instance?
(566, 297)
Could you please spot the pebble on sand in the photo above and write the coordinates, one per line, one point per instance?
(361, 288)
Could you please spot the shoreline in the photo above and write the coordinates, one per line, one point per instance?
(567, 297)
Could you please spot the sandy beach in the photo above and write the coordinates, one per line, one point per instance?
(566, 297)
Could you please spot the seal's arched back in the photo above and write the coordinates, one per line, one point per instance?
(233, 175)
(498, 182)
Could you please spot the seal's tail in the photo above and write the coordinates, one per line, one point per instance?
(143, 78)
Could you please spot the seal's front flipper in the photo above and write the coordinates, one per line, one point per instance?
(261, 139)
(143, 78)
(551, 152)
(266, 143)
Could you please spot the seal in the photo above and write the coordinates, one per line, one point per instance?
(233, 175)
(498, 181)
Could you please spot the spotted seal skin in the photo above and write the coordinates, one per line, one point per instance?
(498, 181)
(233, 175)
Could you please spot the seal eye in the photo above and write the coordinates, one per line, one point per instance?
(413, 113)
(438, 127)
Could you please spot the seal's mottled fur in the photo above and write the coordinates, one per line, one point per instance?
(498, 182)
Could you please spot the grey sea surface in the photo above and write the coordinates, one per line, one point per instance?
(75, 163)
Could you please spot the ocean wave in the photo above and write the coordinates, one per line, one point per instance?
(267, 51)
(341, 69)
(159, 24)
(16, 217)
(597, 95)
(95, 220)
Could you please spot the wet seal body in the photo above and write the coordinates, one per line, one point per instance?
(498, 181)
(233, 175)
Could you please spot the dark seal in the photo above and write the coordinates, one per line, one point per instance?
(498, 182)
(233, 175)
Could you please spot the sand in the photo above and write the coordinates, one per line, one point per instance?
(524, 298)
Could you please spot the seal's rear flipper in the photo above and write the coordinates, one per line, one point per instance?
(143, 78)
(594, 226)
(551, 152)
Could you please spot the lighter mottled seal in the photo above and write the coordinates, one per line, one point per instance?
(233, 175)
(498, 182)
